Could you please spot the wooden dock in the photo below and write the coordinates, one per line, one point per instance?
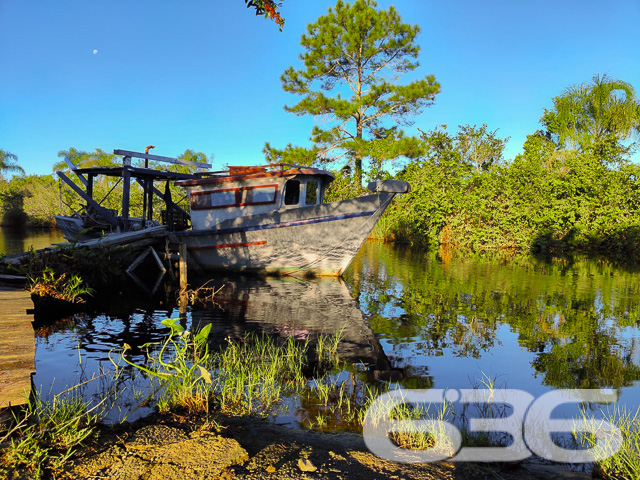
(17, 346)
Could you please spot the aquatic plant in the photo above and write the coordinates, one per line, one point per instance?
(249, 376)
(254, 374)
(178, 364)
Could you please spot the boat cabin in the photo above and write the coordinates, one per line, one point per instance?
(245, 191)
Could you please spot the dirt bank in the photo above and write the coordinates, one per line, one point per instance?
(174, 447)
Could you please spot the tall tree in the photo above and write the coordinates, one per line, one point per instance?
(358, 53)
(8, 163)
(475, 148)
(480, 147)
(596, 117)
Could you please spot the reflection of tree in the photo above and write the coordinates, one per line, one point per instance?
(571, 315)
(595, 362)
(577, 350)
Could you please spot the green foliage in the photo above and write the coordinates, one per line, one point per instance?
(452, 167)
(253, 375)
(291, 154)
(595, 118)
(546, 200)
(179, 364)
(342, 187)
(31, 201)
(82, 159)
(357, 52)
(621, 464)
(8, 163)
(12, 202)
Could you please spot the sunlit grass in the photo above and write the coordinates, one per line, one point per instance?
(45, 435)
(622, 463)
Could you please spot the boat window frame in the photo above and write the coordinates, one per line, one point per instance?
(317, 191)
(285, 191)
(240, 197)
(302, 196)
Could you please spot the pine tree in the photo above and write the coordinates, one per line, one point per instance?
(357, 53)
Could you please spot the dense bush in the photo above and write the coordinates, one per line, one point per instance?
(570, 202)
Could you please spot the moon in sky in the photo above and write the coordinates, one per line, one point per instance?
(95, 51)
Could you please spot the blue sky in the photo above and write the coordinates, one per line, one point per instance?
(204, 74)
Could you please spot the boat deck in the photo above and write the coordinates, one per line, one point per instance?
(17, 346)
(140, 238)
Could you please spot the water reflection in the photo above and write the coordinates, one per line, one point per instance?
(13, 240)
(576, 322)
(290, 307)
(420, 319)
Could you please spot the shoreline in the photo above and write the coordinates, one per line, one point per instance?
(216, 446)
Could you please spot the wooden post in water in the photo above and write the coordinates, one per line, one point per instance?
(126, 191)
(182, 263)
(182, 274)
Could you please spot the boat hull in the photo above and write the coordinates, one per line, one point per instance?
(319, 240)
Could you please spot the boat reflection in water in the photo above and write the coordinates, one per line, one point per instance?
(291, 307)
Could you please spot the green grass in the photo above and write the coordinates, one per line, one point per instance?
(45, 435)
(623, 464)
(67, 288)
(249, 376)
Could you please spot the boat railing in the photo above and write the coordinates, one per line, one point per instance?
(251, 169)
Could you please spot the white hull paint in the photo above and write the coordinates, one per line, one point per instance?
(317, 240)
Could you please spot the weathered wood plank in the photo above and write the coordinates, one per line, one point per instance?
(73, 167)
(17, 346)
(104, 213)
(158, 158)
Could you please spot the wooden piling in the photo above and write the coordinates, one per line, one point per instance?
(182, 262)
(17, 346)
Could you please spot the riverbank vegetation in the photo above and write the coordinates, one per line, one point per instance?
(573, 189)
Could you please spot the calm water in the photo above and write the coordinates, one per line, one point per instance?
(405, 316)
(21, 240)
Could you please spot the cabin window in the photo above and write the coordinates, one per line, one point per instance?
(234, 197)
(311, 197)
(223, 198)
(292, 192)
(215, 199)
(260, 195)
